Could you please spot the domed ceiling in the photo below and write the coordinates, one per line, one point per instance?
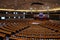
(27, 4)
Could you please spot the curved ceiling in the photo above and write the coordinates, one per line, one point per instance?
(26, 4)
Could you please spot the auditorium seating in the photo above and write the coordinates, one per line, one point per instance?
(45, 27)
(51, 25)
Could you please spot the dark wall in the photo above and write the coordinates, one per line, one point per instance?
(1, 38)
(55, 16)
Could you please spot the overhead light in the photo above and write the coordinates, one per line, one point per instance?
(19, 17)
(9, 17)
(6, 12)
(24, 13)
(13, 12)
(14, 17)
(2, 17)
(16, 13)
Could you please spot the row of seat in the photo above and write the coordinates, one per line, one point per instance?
(11, 26)
(37, 33)
(52, 25)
